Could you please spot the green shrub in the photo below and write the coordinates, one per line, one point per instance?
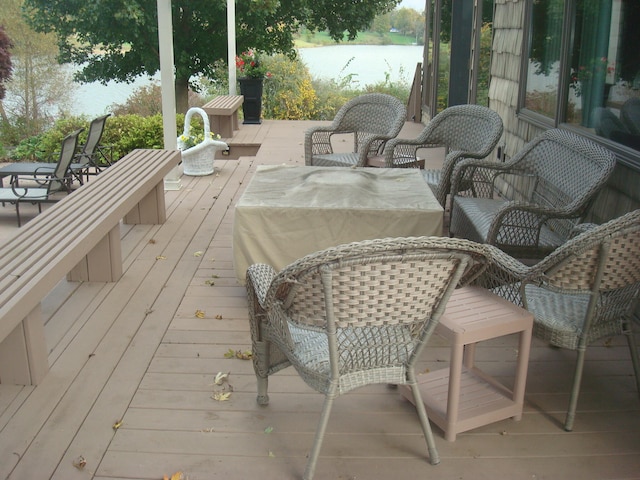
(46, 146)
(128, 132)
(288, 90)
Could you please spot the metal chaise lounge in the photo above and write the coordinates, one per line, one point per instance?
(43, 188)
(91, 158)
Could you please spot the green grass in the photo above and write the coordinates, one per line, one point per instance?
(363, 38)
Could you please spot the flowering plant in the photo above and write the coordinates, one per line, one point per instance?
(583, 74)
(249, 65)
(193, 139)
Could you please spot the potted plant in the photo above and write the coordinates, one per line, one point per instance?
(198, 149)
(251, 73)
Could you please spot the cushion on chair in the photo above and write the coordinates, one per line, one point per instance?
(472, 217)
(432, 177)
(559, 317)
(359, 346)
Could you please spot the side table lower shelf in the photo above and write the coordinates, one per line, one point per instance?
(481, 401)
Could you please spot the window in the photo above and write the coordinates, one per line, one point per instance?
(583, 68)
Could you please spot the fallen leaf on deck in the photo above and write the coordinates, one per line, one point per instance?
(152, 241)
(231, 353)
(200, 314)
(175, 476)
(197, 254)
(161, 257)
(218, 317)
(79, 462)
(221, 396)
(268, 430)
(221, 378)
(211, 283)
(117, 425)
(271, 454)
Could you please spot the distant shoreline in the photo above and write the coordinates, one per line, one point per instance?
(321, 39)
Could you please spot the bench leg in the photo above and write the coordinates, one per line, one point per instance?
(23, 354)
(103, 263)
(222, 124)
(234, 120)
(151, 210)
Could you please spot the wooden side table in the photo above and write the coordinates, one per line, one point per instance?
(463, 397)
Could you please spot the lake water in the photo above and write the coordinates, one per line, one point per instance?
(367, 64)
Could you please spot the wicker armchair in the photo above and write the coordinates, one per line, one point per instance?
(372, 119)
(355, 315)
(585, 290)
(467, 131)
(630, 114)
(544, 191)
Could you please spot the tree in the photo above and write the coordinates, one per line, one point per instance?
(39, 87)
(5, 60)
(118, 39)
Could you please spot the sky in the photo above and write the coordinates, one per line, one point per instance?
(417, 5)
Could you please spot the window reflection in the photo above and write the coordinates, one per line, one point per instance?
(604, 88)
(601, 93)
(543, 71)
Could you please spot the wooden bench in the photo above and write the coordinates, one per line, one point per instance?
(78, 237)
(223, 114)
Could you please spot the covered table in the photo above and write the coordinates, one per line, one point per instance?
(287, 212)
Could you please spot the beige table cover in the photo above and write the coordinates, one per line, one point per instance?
(287, 212)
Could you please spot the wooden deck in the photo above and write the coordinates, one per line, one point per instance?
(132, 368)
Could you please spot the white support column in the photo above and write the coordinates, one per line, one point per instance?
(231, 41)
(167, 82)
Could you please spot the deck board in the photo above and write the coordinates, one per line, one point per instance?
(136, 351)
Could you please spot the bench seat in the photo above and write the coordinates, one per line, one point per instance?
(223, 114)
(78, 237)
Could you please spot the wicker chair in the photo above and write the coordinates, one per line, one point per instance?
(585, 290)
(372, 119)
(544, 191)
(630, 114)
(467, 131)
(355, 315)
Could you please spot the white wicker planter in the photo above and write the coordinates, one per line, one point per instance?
(199, 160)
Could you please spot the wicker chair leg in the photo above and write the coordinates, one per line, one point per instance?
(263, 385)
(317, 443)
(261, 368)
(575, 391)
(434, 458)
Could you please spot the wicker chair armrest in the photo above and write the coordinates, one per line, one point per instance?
(403, 148)
(521, 217)
(317, 141)
(504, 275)
(260, 276)
(368, 144)
(462, 169)
(581, 228)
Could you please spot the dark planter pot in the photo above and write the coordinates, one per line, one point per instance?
(251, 89)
